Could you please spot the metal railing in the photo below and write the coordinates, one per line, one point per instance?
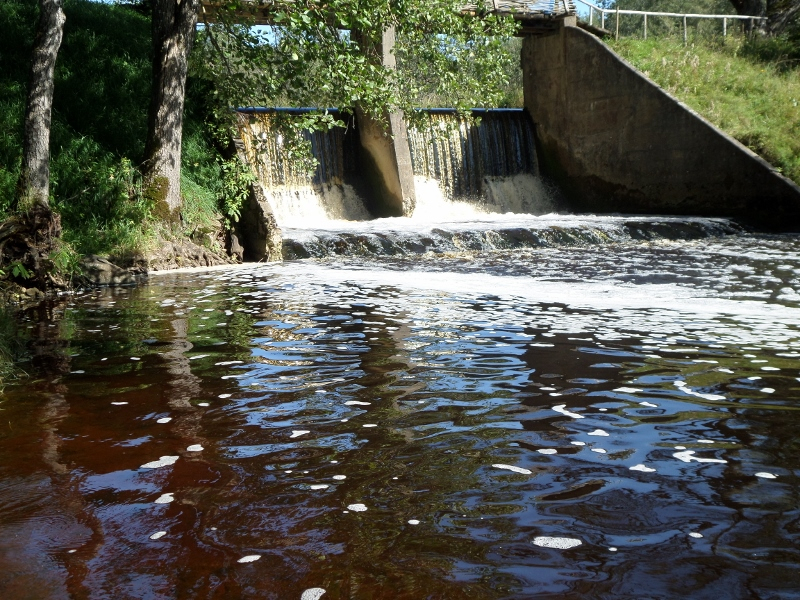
(684, 16)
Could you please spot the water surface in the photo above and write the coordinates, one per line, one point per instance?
(445, 425)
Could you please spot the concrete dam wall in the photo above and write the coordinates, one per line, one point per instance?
(616, 142)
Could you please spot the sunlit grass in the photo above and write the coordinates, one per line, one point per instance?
(756, 102)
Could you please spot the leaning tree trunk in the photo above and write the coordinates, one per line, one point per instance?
(34, 182)
(174, 24)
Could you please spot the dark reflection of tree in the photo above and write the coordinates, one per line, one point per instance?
(60, 503)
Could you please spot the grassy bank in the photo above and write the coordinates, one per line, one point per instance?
(102, 91)
(749, 92)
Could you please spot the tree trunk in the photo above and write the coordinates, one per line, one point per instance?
(781, 14)
(33, 189)
(174, 24)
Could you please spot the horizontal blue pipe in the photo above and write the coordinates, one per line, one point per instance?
(302, 110)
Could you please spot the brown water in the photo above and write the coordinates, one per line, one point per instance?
(408, 387)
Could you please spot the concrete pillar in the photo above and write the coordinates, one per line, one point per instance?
(385, 156)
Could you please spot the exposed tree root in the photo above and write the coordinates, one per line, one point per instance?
(26, 242)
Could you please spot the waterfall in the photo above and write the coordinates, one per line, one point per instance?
(301, 195)
(463, 169)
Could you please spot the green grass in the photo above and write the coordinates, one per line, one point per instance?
(749, 92)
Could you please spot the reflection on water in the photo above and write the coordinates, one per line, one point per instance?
(447, 427)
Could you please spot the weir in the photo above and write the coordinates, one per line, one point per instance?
(460, 169)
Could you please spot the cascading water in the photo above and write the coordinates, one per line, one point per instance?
(477, 188)
(302, 195)
(464, 169)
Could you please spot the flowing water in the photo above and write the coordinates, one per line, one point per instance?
(467, 402)
(608, 418)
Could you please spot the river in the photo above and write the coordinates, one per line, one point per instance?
(607, 419)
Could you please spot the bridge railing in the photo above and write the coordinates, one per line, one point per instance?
(524, 9)
(616, 12)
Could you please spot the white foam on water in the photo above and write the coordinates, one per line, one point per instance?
(319, 486)
(119, 403)
(687, 390)
(547, 451)
(312, 594)
(755, 378)
(298, 432)
(513, 468)
(643, 468)
(770, 369)
(223, 396)
(164, 498)
(203, 404)
(578, 443)
(413, 522)
(560, 543)
(765, 475)
(164, 461)
(688, 456)
(648, 404)
(599, 450)
(340, 477)
(158, 535)
(198, 356)
(249, 558)
(358, 507)
(700, 360)
(194, 448)
(599, 432)
(135, 358)
(357, 403)
(627, 390)
(694, 534)
(705, 441)
(562, 408)
(164, 420)
(724, 370)
(612, 549)
(225, 363)
(369, 425)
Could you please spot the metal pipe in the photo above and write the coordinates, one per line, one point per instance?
(685, 34)
(616, 35)
(645, 27)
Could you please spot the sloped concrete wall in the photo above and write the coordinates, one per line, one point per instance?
(616, 142)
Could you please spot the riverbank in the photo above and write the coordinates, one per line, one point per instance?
(751, 95)
(100, 105)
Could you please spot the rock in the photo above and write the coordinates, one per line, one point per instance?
(260, 233)
(100, 271)
(234, 246)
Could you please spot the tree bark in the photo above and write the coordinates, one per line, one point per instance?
(33, 190)
(174, 23)
(781, 14)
